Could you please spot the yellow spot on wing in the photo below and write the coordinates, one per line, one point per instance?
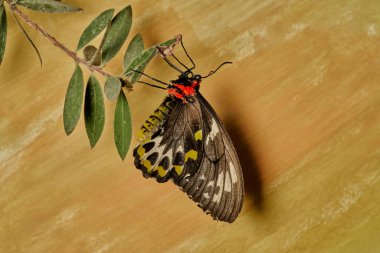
(147, 164)
(198, 135)
(191, 154)
(161, 171)
(141, 151)
(178, 169)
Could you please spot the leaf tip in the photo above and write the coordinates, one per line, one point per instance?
(129, 8)
(68, 131)
(122, 156)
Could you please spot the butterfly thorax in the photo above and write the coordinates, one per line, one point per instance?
(185, 87)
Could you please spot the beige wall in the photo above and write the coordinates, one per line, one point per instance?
(301, 102)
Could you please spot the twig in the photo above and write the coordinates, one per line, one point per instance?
(56, 43)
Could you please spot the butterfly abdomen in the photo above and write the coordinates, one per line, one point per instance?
(154, 121)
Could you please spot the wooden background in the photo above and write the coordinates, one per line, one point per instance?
(301, 103)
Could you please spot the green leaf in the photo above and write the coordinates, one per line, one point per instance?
(3, 31)
(95, 28)
(117, 34)
(135, 48)
(94, 114)
(142, 61)
(73, 101)
(140, 68)
(122, 126)
(48, 6)
(112, 88)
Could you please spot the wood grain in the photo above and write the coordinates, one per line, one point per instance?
(301, 103)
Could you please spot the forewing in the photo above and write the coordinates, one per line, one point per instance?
(217, 185)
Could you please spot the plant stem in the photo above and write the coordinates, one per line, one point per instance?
(56, 43)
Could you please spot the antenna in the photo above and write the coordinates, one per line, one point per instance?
(213, 71)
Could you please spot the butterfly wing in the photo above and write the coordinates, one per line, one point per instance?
(186, 142)
(170, 144)
(217, 186)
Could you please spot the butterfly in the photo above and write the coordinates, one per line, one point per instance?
(185, 141)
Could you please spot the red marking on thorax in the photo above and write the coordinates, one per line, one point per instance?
(181, 91)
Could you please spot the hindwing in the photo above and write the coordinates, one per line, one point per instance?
(171, 148)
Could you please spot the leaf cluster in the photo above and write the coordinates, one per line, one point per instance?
(115, 30)
(135, 58)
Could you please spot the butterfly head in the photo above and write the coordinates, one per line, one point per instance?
(187, 84)
(188, 78)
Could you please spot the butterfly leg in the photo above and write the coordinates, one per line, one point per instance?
(151, 85)
(154, 79)
(167, 60)
(188, 56)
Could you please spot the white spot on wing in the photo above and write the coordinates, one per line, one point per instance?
(227, 186)
(233, 173)
(155, 147)
(180, 149)
(159, 149)
(214, 131)
(211, 183)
